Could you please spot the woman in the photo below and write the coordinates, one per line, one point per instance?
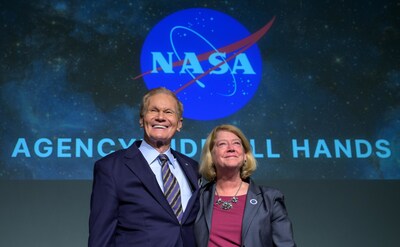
(234, 211)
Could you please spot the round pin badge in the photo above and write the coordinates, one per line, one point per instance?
(253, 201)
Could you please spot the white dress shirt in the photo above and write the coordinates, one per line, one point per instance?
(151, 155)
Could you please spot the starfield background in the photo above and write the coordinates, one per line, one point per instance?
(331, 71)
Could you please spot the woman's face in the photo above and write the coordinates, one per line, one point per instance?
(228, 151)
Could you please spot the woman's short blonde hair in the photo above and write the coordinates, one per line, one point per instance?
(207, 168)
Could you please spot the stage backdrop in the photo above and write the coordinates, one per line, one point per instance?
(314, 85)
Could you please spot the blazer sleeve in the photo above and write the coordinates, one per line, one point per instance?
(103, 206)
(282, 233)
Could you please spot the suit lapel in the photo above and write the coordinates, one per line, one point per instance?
(190, 173)
(135, 161)
(208, 203)
(253, 202)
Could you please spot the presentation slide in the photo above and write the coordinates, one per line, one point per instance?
(314, 85)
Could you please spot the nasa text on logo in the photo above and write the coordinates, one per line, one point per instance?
(207, 58)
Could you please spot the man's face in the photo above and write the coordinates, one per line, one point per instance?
(160, 120)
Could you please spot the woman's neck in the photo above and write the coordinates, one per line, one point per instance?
(228, 186)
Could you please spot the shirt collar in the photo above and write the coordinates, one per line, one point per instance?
(151, 154)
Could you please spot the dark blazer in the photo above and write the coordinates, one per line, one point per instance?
(128, 207)
(265, 221)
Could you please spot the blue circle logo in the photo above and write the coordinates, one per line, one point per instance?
(207, 58)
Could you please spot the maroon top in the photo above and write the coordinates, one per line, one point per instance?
(226, 226)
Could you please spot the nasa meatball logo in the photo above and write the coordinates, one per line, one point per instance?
(207, 58)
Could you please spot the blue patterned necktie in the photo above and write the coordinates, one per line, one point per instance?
(171, 187)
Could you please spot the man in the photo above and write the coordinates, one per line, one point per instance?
(128, 205)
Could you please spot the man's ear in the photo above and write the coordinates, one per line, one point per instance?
(141, 122)
(180, 124)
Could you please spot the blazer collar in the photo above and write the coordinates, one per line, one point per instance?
(208, 202)
(253, 202)
(138, 165)
(191, 174)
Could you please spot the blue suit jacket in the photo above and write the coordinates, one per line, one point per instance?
(128, 207)
(265, 220)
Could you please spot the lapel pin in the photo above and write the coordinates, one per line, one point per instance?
(253, 201)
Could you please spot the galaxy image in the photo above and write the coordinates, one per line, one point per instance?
(327, 105)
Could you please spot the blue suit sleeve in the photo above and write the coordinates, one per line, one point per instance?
(103, 207)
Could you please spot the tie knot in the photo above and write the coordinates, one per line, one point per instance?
(163, 158)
